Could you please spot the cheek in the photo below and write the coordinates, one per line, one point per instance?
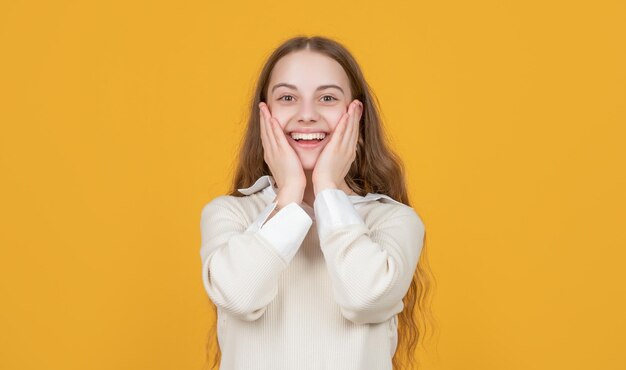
(282, 115)
(333, 118)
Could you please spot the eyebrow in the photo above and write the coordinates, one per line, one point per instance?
(293, 87)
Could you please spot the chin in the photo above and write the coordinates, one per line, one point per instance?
(308, 163)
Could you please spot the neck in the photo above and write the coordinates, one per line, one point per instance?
(309, 192)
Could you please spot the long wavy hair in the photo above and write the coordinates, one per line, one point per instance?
(376, 169)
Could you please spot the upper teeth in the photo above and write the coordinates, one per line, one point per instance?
(317, 135)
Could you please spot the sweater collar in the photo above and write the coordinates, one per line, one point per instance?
(267, 186)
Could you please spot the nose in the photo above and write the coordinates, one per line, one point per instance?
(307, 112)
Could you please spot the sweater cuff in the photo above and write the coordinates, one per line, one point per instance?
(333, 209)
(285, 231)
(262, 217)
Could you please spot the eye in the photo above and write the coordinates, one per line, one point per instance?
(285, 96)
(290, 96)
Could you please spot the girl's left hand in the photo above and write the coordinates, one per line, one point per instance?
(335, 160)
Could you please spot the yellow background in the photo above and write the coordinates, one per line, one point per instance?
(119, 121)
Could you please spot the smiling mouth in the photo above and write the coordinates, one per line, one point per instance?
(305, 140)
(302, 143)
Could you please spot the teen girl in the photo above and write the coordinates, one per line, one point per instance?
(314, 256)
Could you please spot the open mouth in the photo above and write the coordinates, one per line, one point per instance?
(304, 143)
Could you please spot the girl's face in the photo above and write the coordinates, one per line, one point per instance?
(308, 92)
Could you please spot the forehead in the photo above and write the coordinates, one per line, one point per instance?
(307, 70)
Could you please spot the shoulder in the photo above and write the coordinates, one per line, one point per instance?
(243, 207)
(386, 210)
(219, 203)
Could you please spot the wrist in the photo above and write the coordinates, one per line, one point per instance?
(318, 187)
(286, 196)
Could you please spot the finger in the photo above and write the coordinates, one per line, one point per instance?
(357, 124)
(264, 139)
(352, 135)
(335, 138)
(273, 146)
(347, 137)
(279, 135)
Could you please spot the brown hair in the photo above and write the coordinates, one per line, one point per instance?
(375, 165)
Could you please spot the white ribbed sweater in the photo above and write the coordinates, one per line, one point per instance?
(310, 288)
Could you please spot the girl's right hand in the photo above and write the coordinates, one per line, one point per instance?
(281, 158)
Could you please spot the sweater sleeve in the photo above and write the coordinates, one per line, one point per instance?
(241, 265)
(371, 268)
